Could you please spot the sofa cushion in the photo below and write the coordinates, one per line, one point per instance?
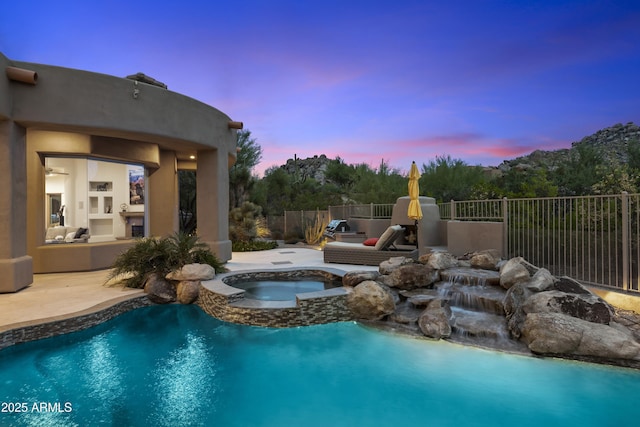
(388, 237)
(53, 232)
(81, 231)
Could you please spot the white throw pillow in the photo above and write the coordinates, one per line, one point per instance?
(70, 236)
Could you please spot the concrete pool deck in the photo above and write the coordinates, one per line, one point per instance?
(52, 296)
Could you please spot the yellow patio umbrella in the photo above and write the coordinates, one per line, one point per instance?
(415, 210)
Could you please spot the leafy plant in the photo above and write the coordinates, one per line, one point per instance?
(245, 223)
(313, 230)
(448, 179)
(254, 245)
(160, 256)
(294, 236)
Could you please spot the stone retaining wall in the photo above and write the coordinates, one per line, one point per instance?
(30, 331)
(216, 299)
(227, 303)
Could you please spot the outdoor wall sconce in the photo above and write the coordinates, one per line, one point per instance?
(236, 125)
(22, 75)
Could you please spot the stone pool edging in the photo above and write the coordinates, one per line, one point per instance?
(221, 300)
(22, 332)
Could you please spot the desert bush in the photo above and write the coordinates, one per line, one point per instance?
(314, 229)
(254, 245)
(160, 256)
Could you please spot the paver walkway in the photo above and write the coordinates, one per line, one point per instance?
(61, 294)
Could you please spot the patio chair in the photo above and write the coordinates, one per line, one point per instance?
(363, 254)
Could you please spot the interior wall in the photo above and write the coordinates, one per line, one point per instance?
(70, 177)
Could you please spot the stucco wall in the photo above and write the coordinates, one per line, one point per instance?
(97, 115)
(470, 236)
(100, 104)
(6, 99)
(16, 268)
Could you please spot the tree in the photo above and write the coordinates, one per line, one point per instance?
(187, 186)
(531, 182)
(382, 185)
(577, 175)
(241, 180)
(616, 179)
(341, 175)
(448, 179)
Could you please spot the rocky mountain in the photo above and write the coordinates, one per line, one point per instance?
(311, 167)
(611, 143)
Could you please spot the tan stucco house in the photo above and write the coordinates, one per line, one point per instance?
(88, 161)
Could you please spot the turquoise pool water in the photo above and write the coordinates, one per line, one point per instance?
(176, 366)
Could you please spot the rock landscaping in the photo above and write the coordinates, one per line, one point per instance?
(508, 305)
(505, 305)
(182, 285)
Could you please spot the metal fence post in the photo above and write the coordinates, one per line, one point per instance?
(284, 231)
(453, 210)
(626, 249)
(505, 227)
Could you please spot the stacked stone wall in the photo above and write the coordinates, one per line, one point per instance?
(321, 307)
(20, 333)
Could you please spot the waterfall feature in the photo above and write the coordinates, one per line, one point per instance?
(477, 311)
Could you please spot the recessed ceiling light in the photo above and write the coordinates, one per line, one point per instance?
(192, 157)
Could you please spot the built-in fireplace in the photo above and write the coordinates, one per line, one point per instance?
(137, 231)
(134, 224)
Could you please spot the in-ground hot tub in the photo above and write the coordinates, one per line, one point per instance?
(284, 289)
(280, 298)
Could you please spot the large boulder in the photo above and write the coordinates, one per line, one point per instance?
(370, 301)
(513, 272)
(439, 260)
(569, 285)
(559, 334)
(406, 314)
(513, 303)
(353, 278)
(542, 280)
(486, 260)
(630, 320)
(159, 290)
(193, 272)
(411, 276)
(187, 291)
(393, 263)
(434, 320)
(587, 307)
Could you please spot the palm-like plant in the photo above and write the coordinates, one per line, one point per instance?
(161, 256)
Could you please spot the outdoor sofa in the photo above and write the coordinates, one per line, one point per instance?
(366, 254)
(62, 234)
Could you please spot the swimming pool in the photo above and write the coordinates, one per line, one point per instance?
(175, 365)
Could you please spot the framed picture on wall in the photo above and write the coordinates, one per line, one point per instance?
(136, 185)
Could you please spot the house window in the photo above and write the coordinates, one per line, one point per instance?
(92, 199)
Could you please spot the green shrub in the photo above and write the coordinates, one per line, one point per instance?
(254, 245)
(161, 256)
(246, 223)
(294, 236)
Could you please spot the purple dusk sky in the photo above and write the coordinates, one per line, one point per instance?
(479, 80)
